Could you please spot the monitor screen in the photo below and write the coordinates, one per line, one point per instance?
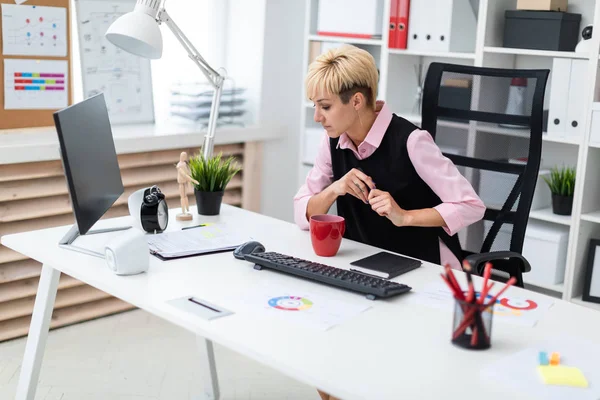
(89, 159)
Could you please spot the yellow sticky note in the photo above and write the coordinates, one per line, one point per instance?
(561, 375)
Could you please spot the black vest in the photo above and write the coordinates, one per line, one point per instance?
(392, 171)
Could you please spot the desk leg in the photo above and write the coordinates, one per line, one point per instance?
(208, 369)
(38, 333)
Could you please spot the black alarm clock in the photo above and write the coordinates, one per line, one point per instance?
(154, 212)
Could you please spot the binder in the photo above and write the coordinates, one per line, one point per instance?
(417, 30)
(393, 24)
(402, 25)
(574, 122)
(441, 26)
(350, 18)
(559, 89)
(443, 16)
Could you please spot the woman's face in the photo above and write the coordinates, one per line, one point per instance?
(335, 116)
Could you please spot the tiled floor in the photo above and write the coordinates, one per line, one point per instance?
(136, 356)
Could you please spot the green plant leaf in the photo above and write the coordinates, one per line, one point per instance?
(561, 181)
(212, 174)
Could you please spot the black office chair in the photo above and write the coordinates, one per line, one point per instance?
(442, 102)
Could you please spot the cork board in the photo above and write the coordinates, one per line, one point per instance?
(14, 119)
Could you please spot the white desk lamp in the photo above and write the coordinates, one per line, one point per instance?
(138, 32)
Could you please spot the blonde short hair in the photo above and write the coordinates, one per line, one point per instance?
(344, 71)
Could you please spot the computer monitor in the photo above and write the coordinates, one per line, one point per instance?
(90, 162)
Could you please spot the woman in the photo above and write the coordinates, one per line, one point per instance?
(388, 178)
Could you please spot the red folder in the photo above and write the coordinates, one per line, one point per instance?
(393, 24)
(402, 26)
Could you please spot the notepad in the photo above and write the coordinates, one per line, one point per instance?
(385, 265)
(211, 238)
(562, 375)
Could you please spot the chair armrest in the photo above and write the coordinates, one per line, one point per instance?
(478, 260)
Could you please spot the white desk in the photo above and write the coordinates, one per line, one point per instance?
(394, 350)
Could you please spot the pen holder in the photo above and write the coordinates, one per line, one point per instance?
(472, 326)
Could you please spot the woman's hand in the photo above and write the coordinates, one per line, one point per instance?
(356, 183)
(384, 204)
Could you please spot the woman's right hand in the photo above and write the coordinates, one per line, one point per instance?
(356, 183)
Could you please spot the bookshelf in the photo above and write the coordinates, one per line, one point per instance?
(398, 85)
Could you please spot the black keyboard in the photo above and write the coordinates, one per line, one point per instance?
(373, 287)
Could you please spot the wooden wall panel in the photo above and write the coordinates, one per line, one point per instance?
(35, 196)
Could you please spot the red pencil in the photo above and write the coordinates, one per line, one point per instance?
(510, 282)
(454, 282)
(486, 289)
(452, 288)
(471, 293)
(467, 321)
(486, 276)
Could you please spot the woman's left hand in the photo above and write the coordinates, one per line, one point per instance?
(384, 204)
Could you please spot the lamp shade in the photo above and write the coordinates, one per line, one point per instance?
(138, 33)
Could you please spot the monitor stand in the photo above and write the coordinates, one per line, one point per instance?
(67, 241)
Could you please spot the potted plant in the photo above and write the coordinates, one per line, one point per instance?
(212, 175)
(562, 186)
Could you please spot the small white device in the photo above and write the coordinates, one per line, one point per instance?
(128, 253)
(134, 202)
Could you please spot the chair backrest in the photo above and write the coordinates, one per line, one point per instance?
(506, 162)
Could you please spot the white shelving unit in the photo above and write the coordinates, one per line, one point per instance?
(398, 85)
(468, 56)
(356, 41)
(535, 53)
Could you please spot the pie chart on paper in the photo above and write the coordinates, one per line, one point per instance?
(290, 303)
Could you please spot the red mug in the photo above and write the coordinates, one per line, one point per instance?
(326, 232)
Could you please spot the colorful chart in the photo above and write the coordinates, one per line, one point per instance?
(25, 81)
(524, 310)
(512, 305)
(34, 30)
(35, 84)
(290, 303)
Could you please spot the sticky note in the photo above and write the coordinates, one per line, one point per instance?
(562, 375)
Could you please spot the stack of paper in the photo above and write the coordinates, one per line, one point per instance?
(192, 101)
(210, 238)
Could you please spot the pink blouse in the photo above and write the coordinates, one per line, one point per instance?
(460, 205)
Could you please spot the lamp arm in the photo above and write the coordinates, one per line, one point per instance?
(212, 75)
(215, 79)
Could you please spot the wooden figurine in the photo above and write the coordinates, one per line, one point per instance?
(183, 179)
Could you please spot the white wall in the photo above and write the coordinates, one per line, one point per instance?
(280, 103)
(244, 60)
(264, 53)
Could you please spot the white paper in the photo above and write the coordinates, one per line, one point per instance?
(35, 84)
(213, 237)
(34, 30)
(307, 309)
(20, 1)
(509, 309)
(125, 79)
(519, 372)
